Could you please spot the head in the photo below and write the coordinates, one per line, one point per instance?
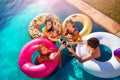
(42, 49)
(49, 23)
(69, 23)
(75, 32)
(93, 42)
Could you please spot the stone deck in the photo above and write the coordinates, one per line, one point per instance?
(98, 17)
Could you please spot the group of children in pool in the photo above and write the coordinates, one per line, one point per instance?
(70, 33)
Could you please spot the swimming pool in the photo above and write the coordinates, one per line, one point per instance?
(15, 17)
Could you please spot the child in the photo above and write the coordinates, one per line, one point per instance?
(45, 53)
(50, 31)
(69, 28)
(93, 46)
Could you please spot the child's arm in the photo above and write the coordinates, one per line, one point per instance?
(58, 52)
(83, 59)
(76, 42)
(60, 63)
(45, 32)
(72, 43)
(52, 39)
(50, 51)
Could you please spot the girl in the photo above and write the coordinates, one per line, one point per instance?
(50, 31)
(45, 54)
(71, 33)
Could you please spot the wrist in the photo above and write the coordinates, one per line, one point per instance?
(73, 53)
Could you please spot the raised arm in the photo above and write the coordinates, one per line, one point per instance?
(77, 42)
(45, 32)
(83, 59)
(58, 52)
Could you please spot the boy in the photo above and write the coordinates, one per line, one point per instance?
(45, 54)
(93, 46)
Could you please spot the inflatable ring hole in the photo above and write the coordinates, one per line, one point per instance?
(106, 53)
(117, 54)
(41, 27)
(34, 56)
(78, 25)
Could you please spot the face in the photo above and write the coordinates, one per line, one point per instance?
(69, 25)
(44, 50)
(49, 25)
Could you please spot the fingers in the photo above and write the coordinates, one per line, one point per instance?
(64, 43)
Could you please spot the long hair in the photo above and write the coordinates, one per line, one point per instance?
(49, 20)
(69, 21)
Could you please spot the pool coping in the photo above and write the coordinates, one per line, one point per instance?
(101, 19)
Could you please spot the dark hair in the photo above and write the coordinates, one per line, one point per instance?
(49, 20)
(93, 42)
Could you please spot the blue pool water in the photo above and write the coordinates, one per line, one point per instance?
(15, 16)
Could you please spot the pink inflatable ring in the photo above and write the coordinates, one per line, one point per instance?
(41, 70)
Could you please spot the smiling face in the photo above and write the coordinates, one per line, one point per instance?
(42, 49)
(69, 24)
(49, 24)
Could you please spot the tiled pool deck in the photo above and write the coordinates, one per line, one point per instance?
(98, 17)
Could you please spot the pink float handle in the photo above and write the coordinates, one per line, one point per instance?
(41, 70)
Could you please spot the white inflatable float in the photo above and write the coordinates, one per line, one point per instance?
(107, 69)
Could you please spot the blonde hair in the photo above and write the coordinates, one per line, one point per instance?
(69, 21)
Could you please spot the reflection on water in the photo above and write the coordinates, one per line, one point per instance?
(15, 16)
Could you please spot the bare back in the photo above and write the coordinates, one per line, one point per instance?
(95, 52)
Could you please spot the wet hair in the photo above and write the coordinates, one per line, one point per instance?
(49, 20)
(93, 42)
(69, 21)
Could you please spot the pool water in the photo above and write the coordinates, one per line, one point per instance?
(106, 53)
(15, 16)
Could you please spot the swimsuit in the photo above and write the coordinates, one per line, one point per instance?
(40, 60)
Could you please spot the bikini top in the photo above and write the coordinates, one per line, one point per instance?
(68, 31)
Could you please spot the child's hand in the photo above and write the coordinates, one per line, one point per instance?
(64, 43)
(60, 40)
(62, 46)
(70, 49)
